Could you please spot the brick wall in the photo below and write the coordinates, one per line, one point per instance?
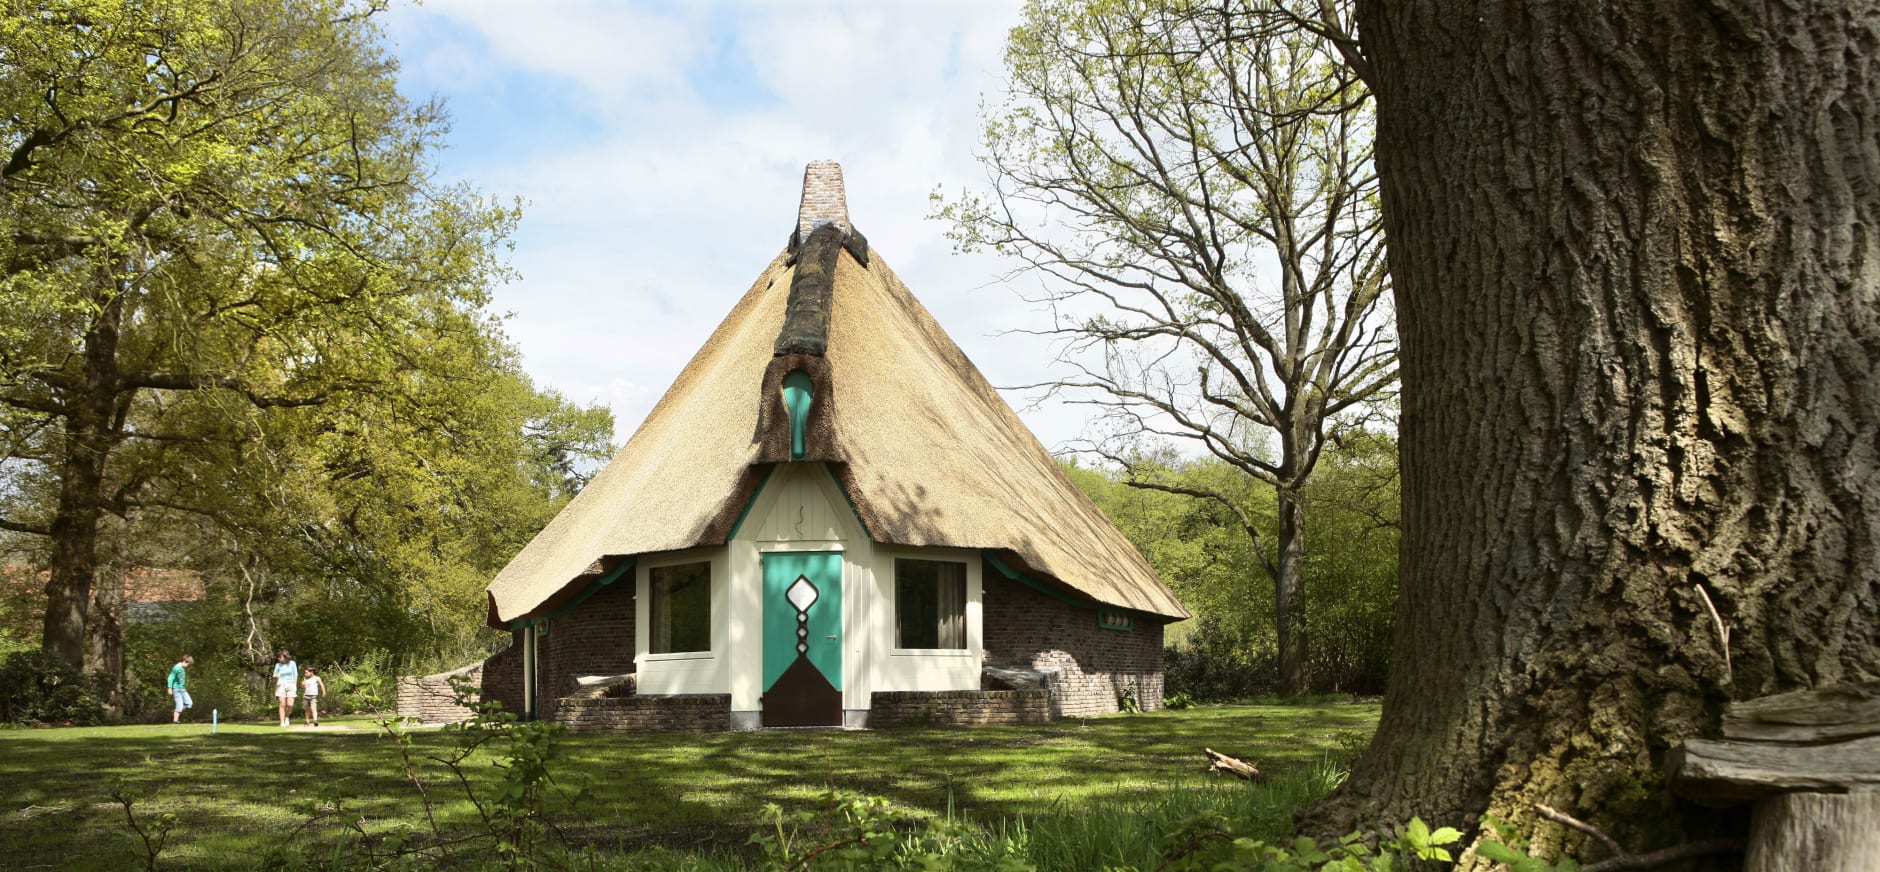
(685, 712)
(502, 677)
(823, 197)
(593, 638)
(430, 698)
(958, 707)
(1025, 629)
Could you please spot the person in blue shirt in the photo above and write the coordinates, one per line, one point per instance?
(286, 675)
(177, 689)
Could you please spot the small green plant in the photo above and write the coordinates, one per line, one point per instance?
(853, 832)
(1509, 847)
(1210, 847)
(1177, 701)
(363, 685)
(1126, 701)
(154, 831)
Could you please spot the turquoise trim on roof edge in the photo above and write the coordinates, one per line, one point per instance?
(749, 504)
(859, 522)
(607, 578)
(1007, 570)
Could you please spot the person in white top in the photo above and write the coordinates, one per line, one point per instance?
(313, 688)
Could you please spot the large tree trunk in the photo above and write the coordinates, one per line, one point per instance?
(93, 427)
(74, 558)
(1636, 251)
(1289, 600)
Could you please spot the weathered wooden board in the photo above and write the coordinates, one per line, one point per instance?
(1843, 711)
(1814, 832)
(1728, 771)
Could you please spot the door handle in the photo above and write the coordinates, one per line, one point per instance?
(829, 637)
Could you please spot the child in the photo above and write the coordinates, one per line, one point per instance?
(286, 675)
(177, 690)
(314, 689)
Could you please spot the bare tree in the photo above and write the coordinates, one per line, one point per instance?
(1195, 185)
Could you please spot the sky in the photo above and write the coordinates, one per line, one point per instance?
(658, 149)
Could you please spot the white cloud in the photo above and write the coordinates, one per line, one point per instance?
(652, 206)
(609, 50)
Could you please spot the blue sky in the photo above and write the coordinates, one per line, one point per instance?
(659, 149)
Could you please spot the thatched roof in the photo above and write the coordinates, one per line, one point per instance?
(927, 450)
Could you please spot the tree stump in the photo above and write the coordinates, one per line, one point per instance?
(1810, 761)
(1815, 832)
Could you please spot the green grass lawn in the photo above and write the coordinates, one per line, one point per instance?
(249, 785)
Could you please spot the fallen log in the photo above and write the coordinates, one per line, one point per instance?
(1219, 762)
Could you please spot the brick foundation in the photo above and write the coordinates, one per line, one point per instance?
(430, 698)
(1025, 629)
(686, 712)
(958, 707)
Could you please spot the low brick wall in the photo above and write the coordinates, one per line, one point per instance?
(430, 699)
(1025, 629)
(958, 707)
(685, 712)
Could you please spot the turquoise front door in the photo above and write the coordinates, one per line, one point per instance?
(802, 639)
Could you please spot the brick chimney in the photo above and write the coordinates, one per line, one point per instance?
(823, 199)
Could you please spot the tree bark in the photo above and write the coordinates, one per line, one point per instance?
(1636, 252)
(92, 430)
(1289, 594)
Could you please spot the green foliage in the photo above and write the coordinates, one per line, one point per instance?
(365, 685)
(224, 678)
(246, 319)
(852, 832)
(37, 687)
(1508, 847)
(1227, 651)
(1126, 701)
(1176, 701)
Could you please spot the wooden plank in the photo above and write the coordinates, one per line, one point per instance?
(1815, 832)
(1726, 771)
(1842, 711)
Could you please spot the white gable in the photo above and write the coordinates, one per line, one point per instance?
(800, 503)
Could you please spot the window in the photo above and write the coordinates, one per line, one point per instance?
(1115, 619)
(681, 608)
(929, 604)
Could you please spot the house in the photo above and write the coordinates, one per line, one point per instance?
(830, 519)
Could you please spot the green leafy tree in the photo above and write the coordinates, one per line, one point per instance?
(213, 213)
(1228, 649)
(1196, 190)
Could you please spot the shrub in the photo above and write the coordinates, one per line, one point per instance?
(1220, 664)
(363, 685)
(36, 687)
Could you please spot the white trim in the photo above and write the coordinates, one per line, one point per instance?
(809, 546)
(683, 671)
(899, 668)
(678, 655)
